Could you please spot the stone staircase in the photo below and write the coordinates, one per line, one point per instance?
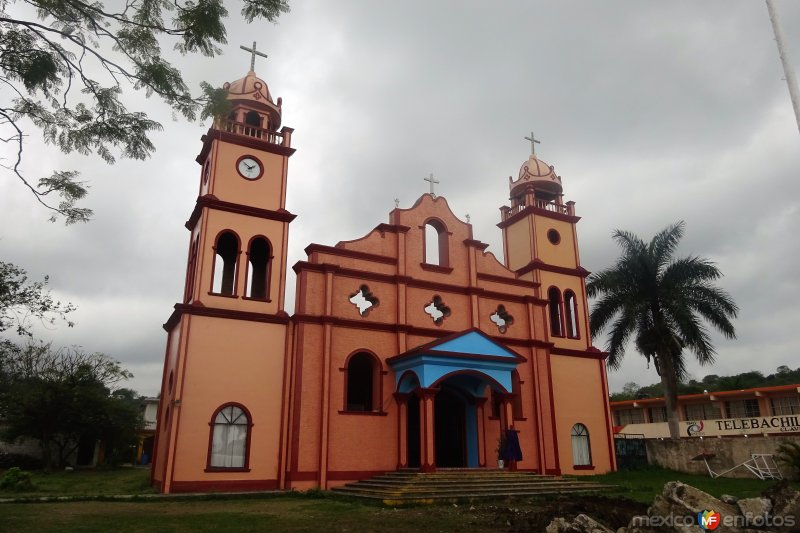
(451, 485)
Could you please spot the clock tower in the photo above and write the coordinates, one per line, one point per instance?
(225, 362)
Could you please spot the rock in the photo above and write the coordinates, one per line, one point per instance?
(754, 507)
(785, 506)
(681, 500)
(727, 498)
(581, 524)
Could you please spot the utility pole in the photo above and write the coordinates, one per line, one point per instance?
(788, 71)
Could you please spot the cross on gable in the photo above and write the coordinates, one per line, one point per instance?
(253, 54)
(432, 181)
(534, 142)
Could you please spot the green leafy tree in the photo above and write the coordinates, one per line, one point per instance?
(65, 63)
(23, 301)
(64, 397)
(662, 303)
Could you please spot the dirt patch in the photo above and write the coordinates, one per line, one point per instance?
(535, 516)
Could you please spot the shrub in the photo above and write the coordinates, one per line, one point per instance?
(16, 480)
(788, 453)
(25, 462)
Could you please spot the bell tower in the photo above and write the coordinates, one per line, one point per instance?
(540, 244)
(223, 384)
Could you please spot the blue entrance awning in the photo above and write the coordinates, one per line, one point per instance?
(468, 353)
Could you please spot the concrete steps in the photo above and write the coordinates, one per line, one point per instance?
(408, 487)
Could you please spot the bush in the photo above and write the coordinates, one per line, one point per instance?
(16, 480)
(788, 453)
(25, 462)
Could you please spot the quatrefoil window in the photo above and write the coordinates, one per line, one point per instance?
(437, 310)
(364, 300)
(502, 318)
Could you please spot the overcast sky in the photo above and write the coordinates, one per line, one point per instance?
(651, 112)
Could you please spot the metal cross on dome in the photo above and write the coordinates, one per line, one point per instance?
(432, 181)
(534, 141)
(253, 54)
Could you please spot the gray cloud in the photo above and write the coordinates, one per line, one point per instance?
(650, 111)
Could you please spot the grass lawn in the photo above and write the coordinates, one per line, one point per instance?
(643, 485)
(87, 483)
(321, 511)
(290, 513)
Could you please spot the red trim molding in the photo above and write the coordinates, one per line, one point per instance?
(482, 246)
(411, 330)
(391, 228)
(200, 310)
(510, 281)
(241, 140)
(533, 210)
(212, 202)
(343, 252)
(538, 264)
(436, 268)
(417, 283)
(233, 485)
(583, 467)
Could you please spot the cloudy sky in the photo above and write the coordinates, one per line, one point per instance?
(651, 112)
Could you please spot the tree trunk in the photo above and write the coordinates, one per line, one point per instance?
(670, 385)
(46, 453)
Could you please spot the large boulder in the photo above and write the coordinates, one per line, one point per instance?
(785, 502)
(755, 509)
(581, 524)
(676, 509)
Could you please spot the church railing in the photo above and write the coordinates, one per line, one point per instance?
(240, 128)
(564, 209)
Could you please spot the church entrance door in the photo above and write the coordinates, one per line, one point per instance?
(450, 410)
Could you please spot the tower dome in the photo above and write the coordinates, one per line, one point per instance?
(537, 175)
(251, 92)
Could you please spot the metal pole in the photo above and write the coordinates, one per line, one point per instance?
(791, 79)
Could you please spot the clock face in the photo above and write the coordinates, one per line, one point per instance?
(249, 167)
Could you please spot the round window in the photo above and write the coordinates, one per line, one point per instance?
(553, 236)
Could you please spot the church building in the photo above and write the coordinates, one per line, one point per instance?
(412, 347)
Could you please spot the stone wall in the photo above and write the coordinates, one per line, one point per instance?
(677, 455)
(22, 447)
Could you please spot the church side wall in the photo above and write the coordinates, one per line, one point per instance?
(168, 385)
(580, 398)
(562, 254)
(236, 367)
(361, 444)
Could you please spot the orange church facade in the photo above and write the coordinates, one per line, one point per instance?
(411, 347)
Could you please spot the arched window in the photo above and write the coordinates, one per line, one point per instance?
(227, 254)
(230, 438)
(436, 248)
(191, 271)
(554, 298)
(571, 312)
(259, 258)
(516, 390)
(253, 124)
(363, 374)
(581, 452)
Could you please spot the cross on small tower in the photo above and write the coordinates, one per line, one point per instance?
(253, 54)
(396, 203)
(532, 139)
(432, 181)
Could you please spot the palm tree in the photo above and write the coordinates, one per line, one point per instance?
(661, 302)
